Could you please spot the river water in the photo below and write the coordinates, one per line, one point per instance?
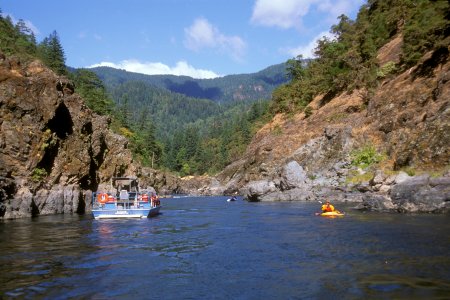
(207, 248)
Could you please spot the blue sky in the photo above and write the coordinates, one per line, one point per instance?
(198, 38)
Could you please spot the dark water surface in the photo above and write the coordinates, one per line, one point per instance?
(207, 248)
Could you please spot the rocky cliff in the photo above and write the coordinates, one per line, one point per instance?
(309, 157)
(54, 151)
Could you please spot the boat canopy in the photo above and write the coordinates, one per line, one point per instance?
(129, 184)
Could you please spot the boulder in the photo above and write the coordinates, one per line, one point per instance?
(422, 193)
(374, 202)
(20, 206)
(292, 176)
(256, 190)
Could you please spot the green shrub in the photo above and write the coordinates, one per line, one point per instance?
(410, 171)
(365, 156)
(308, 111)
(386, 69)
(38, 174)
(312, 176)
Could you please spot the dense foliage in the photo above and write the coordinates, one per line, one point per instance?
(208, 145)
(349, 60)
(196, 135)
(242, 87)
(16, 39)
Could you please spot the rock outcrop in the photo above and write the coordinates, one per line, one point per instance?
(54, 151)
(403, 193)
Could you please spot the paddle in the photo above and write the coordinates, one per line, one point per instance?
(318, 213)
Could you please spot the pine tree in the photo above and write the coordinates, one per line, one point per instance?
(16, 39)
(52, 54)
(91, 88)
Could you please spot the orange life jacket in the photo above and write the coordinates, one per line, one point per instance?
(327, 207)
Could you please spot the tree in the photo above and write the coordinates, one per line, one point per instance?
(91, 88)
(52, 54)
(296, 67)
(16, 39)
(427, 27)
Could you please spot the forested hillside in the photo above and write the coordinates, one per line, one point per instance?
(242, 87)
(194, 135)
(367, 120)
(195, 126)
(201, 125)
(350, 61)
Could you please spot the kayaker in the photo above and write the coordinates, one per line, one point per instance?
(327, 207)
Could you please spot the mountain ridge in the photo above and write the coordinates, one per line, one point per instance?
(239, 87)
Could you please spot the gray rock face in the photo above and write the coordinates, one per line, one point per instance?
(291, 181)
(374, 202)
(322, 153)
(422, 193)
(403, 193)
(289, 184)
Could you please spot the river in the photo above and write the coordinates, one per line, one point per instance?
(207, 248)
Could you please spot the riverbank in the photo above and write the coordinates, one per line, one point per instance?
(394, 192)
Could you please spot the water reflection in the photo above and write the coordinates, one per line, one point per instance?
(207, 248)
(33, 252)
(398, 286)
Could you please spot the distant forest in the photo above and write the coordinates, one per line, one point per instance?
(201, 124)
(242, 87)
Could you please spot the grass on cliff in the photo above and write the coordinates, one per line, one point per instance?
(355, 177)
(365, 158)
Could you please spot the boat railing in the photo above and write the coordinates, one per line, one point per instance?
(124, 199)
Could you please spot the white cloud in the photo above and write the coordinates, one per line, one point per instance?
(284, 14)
(202, 34)
(307, 51)
(289, 13)
(336, 8)
(157, 68)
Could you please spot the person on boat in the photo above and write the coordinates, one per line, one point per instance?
(155, 200)
(327, 207)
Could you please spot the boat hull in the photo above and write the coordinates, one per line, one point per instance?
(102, 213)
